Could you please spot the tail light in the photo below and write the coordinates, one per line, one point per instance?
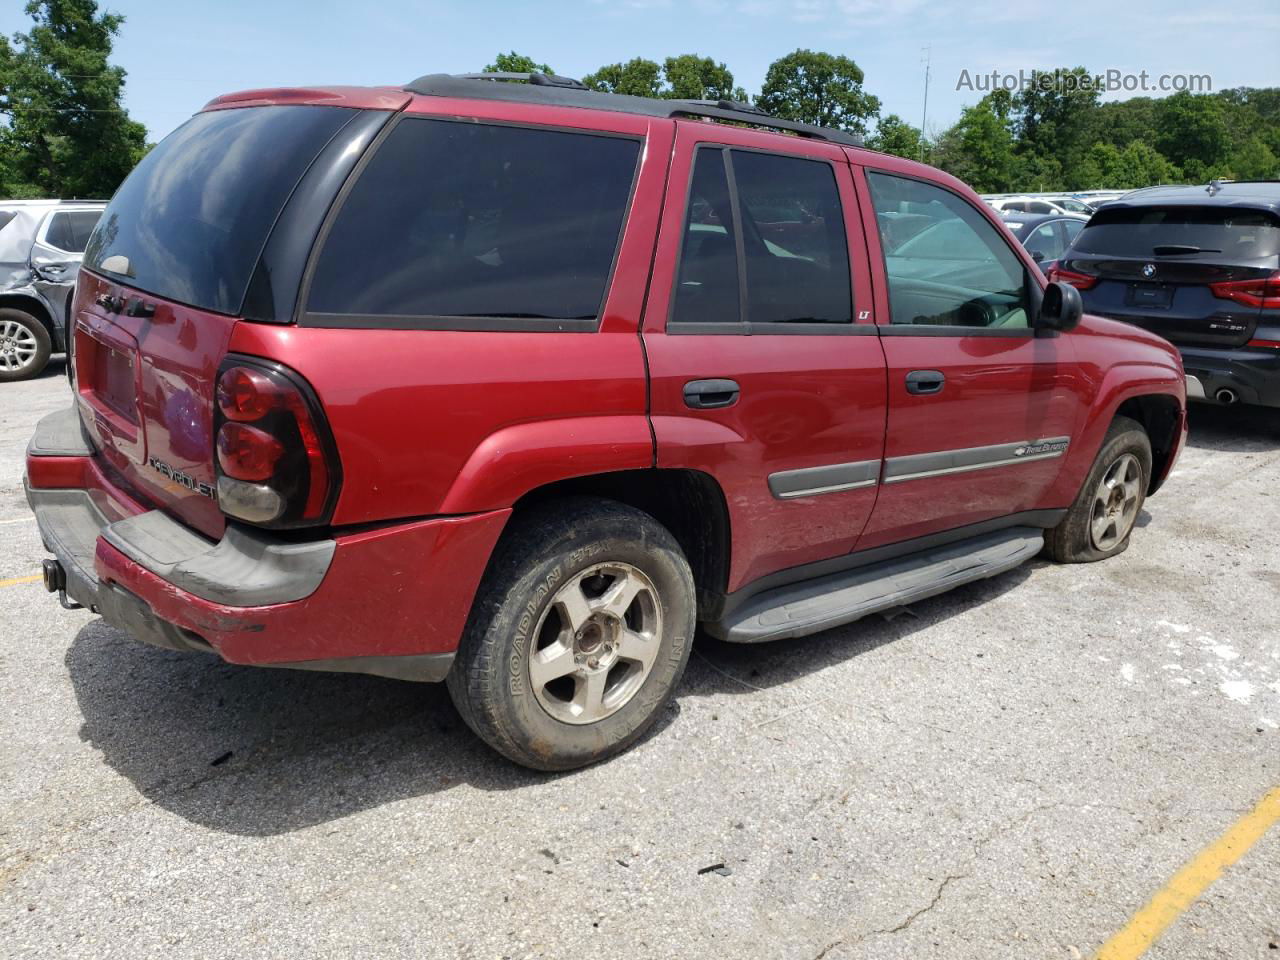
(1261, 292)
(1081, 281)
(1272, 344)
(276, 462)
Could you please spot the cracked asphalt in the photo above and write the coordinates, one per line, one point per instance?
(1010, 770)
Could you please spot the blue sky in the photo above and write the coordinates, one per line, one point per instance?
(180, 55)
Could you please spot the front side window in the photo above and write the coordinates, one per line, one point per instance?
(457, 220)
(955, 269)
(764, 243)
(1045, 242)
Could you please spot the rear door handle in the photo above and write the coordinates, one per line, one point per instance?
(925, 381)
(710, 394)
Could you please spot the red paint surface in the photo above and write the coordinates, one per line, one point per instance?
(446, 422)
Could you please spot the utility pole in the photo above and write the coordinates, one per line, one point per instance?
(924, 116)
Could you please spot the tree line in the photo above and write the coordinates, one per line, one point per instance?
(64, 131)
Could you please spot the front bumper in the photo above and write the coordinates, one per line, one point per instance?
(390, 601)
(1252, 374)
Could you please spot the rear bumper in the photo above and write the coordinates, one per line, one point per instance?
(390, 601)
(1252, 374)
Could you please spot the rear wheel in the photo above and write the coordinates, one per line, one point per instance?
(24, 345)
(578, 636)
(1099, 523)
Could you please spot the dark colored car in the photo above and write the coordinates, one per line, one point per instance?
(1045, 235)
(41, 242)
(1201, 267)
(513, 384)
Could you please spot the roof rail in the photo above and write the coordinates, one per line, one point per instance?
(565, 92)
(736, 112)
(533, 77)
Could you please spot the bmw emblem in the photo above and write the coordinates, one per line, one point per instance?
(1148, 270)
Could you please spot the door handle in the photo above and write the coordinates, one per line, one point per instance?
(710, 394)
(925, 381)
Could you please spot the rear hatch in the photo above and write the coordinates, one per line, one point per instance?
(166, 275)
(1177, 270)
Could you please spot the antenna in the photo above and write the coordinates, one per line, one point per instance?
(924, 116)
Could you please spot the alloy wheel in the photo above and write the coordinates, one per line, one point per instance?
(1115, 503)
(596, 643)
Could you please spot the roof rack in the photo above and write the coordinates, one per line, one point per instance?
(558, 91)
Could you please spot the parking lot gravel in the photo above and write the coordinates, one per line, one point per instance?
(1009, 770)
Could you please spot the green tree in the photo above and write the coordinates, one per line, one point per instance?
(1051, 120)
(894, 135)
(1142, 165)
(637, 77)
(818, 88)
(979, 149)
(1191, 130)
(516, 63)
(68, 134)
(691, 77)
(1103, 166)
(1254, 161)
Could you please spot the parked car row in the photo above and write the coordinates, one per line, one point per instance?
(41, 243)
(617, 367)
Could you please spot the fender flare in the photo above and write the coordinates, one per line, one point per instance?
(1124, 381)
(522, 457)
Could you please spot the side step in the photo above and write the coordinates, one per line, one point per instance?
(800, 609)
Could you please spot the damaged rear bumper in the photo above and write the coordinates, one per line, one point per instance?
(390, 601)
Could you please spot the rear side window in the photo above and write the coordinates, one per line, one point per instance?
(794, 257)
(1145, 231)
(191, 220)
(707, 284)
(955, 271)
(454, 220)
(70, 231)
(5, 217)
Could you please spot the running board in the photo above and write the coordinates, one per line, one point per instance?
(832, 601)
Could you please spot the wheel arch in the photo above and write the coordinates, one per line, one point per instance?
(1160, 415)
(689, 503)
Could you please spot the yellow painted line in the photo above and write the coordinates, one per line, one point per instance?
(1189, 883)
(14, 581)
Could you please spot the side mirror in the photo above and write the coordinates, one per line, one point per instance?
(1060, 310)
(1037, 256)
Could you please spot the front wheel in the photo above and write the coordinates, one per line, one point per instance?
(1099, 523)
(578, 636)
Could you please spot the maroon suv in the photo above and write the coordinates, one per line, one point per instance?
(513, 384)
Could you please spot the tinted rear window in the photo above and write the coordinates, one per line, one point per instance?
(1138, 231)
(190, 222)
(453, 219)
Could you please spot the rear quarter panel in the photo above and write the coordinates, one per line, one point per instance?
(449, 421)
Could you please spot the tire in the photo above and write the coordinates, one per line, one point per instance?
(24, 345)
(621, 671)
(1101, 520)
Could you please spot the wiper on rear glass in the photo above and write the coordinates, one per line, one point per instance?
(1176, 249)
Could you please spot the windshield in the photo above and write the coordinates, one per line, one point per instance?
(190, 222)
(1170, 231)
